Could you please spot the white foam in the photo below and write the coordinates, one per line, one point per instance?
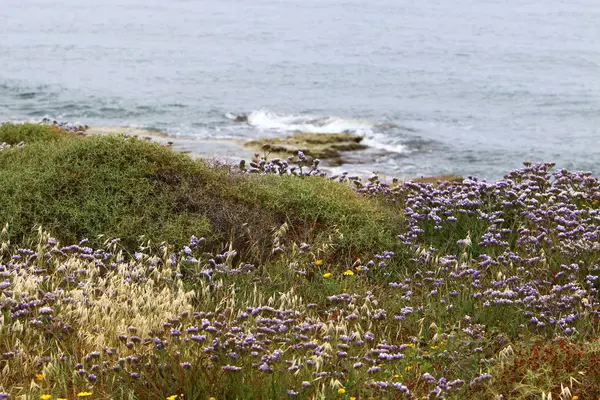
(377, 141)
(268, 120)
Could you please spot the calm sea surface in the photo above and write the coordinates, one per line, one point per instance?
(461, 86)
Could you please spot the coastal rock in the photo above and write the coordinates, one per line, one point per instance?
(122, 130)
(240, 118)
(325, 146)
(438, 178)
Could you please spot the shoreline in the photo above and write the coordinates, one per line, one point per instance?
(220, 149)
(233, 151)
(339, 153)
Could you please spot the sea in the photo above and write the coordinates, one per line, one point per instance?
(467, 87)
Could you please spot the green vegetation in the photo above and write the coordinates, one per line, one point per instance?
(490, 290)
(83, 187)
(29, 133)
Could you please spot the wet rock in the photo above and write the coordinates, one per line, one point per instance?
(438, 178)
(121, 130)
(240, 118)
(325, 146)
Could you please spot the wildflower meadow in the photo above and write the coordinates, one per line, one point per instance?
(378, 289)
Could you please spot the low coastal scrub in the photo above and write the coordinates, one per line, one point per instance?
(84, 187)
(487, 290)
(13, 134)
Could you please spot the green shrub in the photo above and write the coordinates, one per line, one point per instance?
(322, 207)
(83, 187)
(29, 133)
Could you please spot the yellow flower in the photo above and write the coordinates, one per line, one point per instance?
(327, 275)
(352, 398)
(397, 376)
(46, 396)
(173, 397)
(212, 398)
(61, 398)
(575, 398)
(84, 394)
(410, 345)
(40, 377)
(319, 262)
(341, 391)
(433, 347)
(349, 272)
(408, 368)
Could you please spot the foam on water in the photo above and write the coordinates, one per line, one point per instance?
(268, 120)
(373, 133)
(385, 143)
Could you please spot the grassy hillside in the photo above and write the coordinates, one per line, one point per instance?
(83, 187)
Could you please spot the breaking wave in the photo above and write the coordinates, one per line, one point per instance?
(374, 134)
(268, 120)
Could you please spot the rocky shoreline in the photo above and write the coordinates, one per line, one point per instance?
(332, 149)
(329, 148)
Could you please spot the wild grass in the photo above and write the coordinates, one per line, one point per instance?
(490, 292)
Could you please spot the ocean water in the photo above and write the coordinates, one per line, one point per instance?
(473, 87)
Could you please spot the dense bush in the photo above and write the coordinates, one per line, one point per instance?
(16, 133)
(83, 187)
